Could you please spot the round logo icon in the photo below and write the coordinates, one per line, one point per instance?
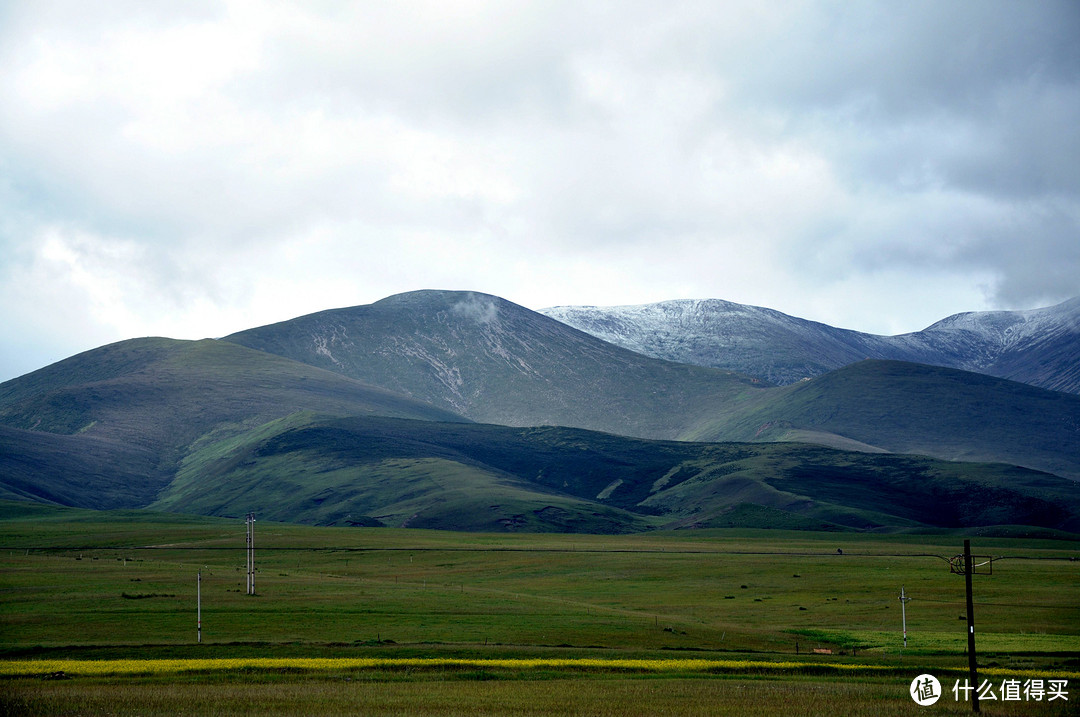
(925, 690)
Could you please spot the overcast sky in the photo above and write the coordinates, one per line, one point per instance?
(193, 169)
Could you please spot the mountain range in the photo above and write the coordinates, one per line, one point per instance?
(462, 410)
(1040, 347)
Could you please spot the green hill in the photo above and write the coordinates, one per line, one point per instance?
(927, 410)
(378, 471)
(77, 470)
(108, 427)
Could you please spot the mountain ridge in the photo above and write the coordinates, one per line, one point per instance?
(513, 366)
(494, 361)
(890, 405)
(1036, 346)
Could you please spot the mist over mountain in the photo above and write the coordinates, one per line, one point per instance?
(1040, 347)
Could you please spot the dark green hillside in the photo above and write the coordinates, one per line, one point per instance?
(422, 474)
(912, 408)
(380, 471)
(76, 470)
(128, 412)
(496, 362)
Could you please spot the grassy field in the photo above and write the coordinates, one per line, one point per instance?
(736, 616)
(472, 695)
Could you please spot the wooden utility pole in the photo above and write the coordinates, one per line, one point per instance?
(198, 603)
(968, 568)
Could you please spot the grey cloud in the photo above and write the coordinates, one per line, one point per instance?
(981, 95)
(1035, 254)
(1029, 150)
(953, 124)
(899, 59)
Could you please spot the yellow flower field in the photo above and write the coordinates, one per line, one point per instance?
(171, 666)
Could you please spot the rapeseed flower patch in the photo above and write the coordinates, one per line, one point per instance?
(16, 668)
(315, 664)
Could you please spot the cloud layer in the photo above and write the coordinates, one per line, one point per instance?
(195, 169)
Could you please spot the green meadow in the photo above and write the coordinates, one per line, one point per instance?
(84, 585)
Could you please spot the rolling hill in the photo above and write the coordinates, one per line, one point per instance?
(1040, 347)
(407, 473)
(77, 470)
(125, 414)
(913, 408)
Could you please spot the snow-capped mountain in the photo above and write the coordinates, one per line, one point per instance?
(1040, 346)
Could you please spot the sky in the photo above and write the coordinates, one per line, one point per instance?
(194, 169)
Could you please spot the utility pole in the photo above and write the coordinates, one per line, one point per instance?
(198, 603)
(903, 612)
(968, 568)
(250, 521)
(964, 564)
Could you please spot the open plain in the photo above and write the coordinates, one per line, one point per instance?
(385, 621)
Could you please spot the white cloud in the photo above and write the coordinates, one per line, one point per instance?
(193, 170)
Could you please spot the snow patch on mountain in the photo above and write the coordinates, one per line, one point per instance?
(1038, 346)
(1011, 328)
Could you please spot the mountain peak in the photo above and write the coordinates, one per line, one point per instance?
(491, 360)
(1065, 315)
(434, 299)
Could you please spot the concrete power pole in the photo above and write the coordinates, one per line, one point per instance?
(903, 612)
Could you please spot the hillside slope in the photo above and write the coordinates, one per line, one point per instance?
(927, 410)
(134, 409)
(78, 470)
(496, 362)
(378, 471)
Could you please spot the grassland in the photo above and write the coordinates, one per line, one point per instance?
(457, 622)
